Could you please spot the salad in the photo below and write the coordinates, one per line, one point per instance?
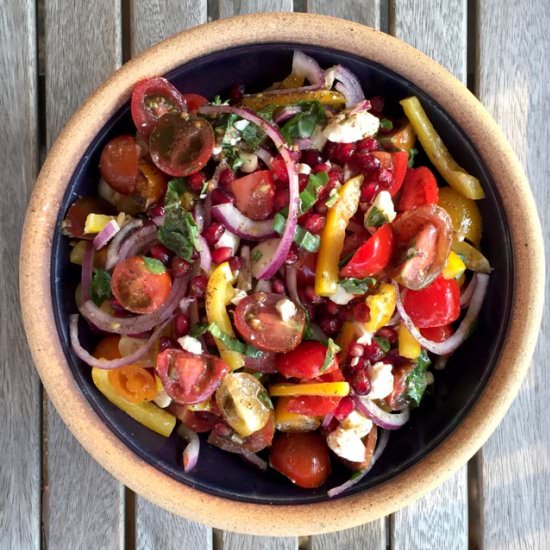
(275, 270)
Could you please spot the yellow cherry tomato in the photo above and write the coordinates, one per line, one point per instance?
(464, 214)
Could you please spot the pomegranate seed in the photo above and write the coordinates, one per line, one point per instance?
(321, 208)
(235, 263)
(343, 409)
(222, 429)
(302, 181)
(361, 312)
(367, 144)
(312, 157)
(324, 167)
(295, 155)
(155, 211)
(181, 325)
(166, 342)
(388, 333)
(368, 192)
(161, 253)
(377, 104)
(311, 296)
(236, 93)
(281, 199)
(329, 150)
(331, 326)
(213, 233)
(220, 196)
(385, 177)
(335, 175)
(278, 168)
(221, 254)
(360, 382)
(356, 350)
(179, 267)
(373, 352)
(332, 308)
(343, 152)
(365, 161)
(278, 286)
(226, 177)
(197, 286)
(196, 180)
(313, 222)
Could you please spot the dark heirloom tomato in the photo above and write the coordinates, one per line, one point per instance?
(435, 305)
(198, 421)
(255, 194)
(75, 220)
(152, 98)
(137, 288)
(189, 378)
(181, 144)
(118, 164)
(302, 457)
(259, 323)
(305, 361)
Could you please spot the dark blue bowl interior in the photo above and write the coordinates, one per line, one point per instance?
(456, 387)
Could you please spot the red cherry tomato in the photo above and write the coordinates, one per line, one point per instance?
(302, 457)
(198, 421)
(255, 194)
(137, 288)
(437, 334)
(189, 378)
(259, 323)
(397, 163)
(181, 144)
(75, 220)
(305, 361)
(436, 305)
(312, 405)
(118, 164)
(152, 98)
(420, 187)
(194, 101)
(373, 256)
(397, 399)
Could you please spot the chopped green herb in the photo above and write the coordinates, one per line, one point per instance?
(383, 343)
(358, 286)
(229, 342)
(314, 332)
(332, 350)
(256, 255)
(303, 124)
(308, 196)
(386, 124)
(204, 189)
(218, 101)
(412, 154)
(100, 286)
(231, 154)
(332, 200)
(153, 265)
(416, 380)
(252, 135)
(304, 239)
(375, 217)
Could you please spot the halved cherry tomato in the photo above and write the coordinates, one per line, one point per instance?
(118, 164)
(302, 457)
(152, 98)
(259, 323)
(437, 334)
(75, 220)
(198, 421)
(194, 101)
(419, 188)
(255, 194)
(435, 305)
(397, 399)
(261, 439)
(134, 383)
(189, 378)
(305, 361)
(107, 348)
(373, 256)
(402, 137)
(137, 288)
(397, 163)
(181, 144)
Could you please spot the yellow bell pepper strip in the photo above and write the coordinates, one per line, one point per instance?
(219, 293)
(344, 340)
(333, 235)
(437, 152)
(454, 266)
(408, 346)
(286, 421)
(472, 257)
(464, 214)
(325, 97)
(96, 222)
(328, 389)
(149, 415)
(381, 307)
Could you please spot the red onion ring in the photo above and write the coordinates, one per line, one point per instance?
(106, 234)
(204, 254)
(453, 342)
(327, 420)
(348, 85)
(292, 284)
(83, 354)
(287, 112)
(191, 452)
(265, 156)
(244, 280)
(112, 257)
(304, 143)
(287, 237)
(141, 323)
(87, 268)
(386, 420)
(254, 459)
(230, 216)
(139, 241)
(466, 296)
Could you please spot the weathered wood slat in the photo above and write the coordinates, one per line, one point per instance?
(19, 384)
(234, 541)
(439, 520)
(83, 504)
(512, 76)
(227, 8)
(366, 12)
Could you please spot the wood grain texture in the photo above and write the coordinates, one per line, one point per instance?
(515, 462)
(227, 8)
(235, 541)
(19, 384)
(440, 520)
(366, 12)
(83, 505)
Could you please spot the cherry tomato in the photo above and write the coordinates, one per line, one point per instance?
(402, 137)
(397, 399)
(198, 421)
(397, 163)
(134, 383)
(225, 439)
(181, 144)
(373, 256)
(152, 98)
(419, 188)
(194, 101)
(302, 457)
(435, 305)
(261, 439)
(312, 405)
(118, 164)
(75, 220)
(150, 185)
(255, 194)
(189, 378)
(437, 334)
(137, 288)
(259, 323)
(305, 361)
(107, 348)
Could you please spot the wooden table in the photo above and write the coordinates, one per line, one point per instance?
(52, 55)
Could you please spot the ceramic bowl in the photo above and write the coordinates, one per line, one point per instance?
(470, 396)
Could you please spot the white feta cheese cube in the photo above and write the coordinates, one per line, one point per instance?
(341, 296)
(190, 344)
(349, 126)
(346, 444)
(230, 240)
(381, 380)
(250, 162)
(303, 168)
(241, 124)
(382, 205)
(357, 423)
(286, 308)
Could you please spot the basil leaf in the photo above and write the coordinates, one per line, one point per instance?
(315, 333)
(308, 196)
(256, 255)
(232, 344)
(303, 124)
(153, 265)
(412, 154)
(383, 343)
(375, 217)
(386, 124)
(332, 350)
(304, 239)
(416, 380)
(100, 286)
(358, 286)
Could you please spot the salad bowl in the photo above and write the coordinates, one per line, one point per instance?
(469, 397)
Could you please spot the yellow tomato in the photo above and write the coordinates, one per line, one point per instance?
(464, 214)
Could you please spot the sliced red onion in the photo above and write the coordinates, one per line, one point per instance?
(112, 257)
(327, 420)
(394, 320)
(204, 254)
(141, 323)
(198, 215)
(254, 459)
(113, 363)
(191, 451)
(230, 216)
(139, 241)
(466, 296)
(265, 156)
(292, 284)
(383, 438)
(106, 234)
(304, 143)
(158, 220)
(287, 112)
(87, 268)
(453, 342)
(348, 85)
(244, 280)
(293, 188)
(386, 420)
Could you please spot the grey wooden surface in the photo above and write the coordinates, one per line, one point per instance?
(53, 495)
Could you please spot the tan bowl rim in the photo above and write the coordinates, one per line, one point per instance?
(437, 465)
